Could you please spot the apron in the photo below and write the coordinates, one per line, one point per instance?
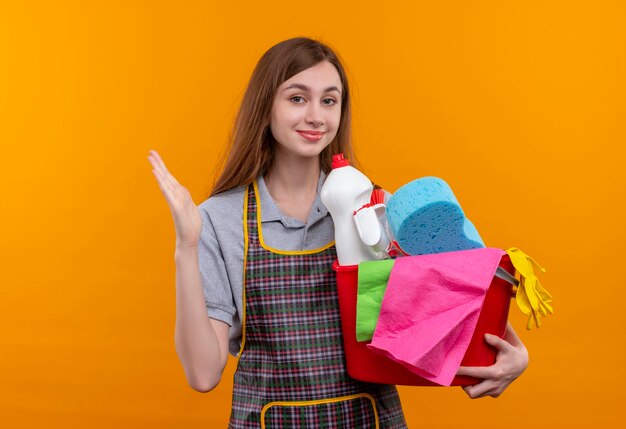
(291, 371)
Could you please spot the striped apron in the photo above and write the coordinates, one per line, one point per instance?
(291, 371)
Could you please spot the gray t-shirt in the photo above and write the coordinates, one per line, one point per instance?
(221, 247)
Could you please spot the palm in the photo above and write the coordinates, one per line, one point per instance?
(187, 220)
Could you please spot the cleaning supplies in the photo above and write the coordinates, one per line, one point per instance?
(369, 221)
(532, 299)
(366, 364)
(425, 217)
(346, 190)
(372, 284)
(431, 308)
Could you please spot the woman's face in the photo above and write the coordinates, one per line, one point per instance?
(307, 110)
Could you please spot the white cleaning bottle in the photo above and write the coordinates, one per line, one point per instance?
(346, 190)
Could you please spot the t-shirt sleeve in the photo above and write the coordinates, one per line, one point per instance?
(218, 294)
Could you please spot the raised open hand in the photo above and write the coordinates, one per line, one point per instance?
(187, 220)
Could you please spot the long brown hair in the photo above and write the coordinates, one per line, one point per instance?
(251, 144)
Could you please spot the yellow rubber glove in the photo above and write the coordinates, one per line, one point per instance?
(531, 297)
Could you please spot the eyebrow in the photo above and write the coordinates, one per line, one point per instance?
(306, 88)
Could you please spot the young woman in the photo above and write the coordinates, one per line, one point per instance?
(253, 261)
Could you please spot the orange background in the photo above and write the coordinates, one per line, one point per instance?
(519, 106)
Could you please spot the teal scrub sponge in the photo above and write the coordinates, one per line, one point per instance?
(425, 217)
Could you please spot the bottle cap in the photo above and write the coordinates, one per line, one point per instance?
(340, 161)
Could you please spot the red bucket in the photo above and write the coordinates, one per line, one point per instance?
(367, 365)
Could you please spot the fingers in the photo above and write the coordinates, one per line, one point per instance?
(498, 342)
(166, 181)
(159, 165)
(159, 173)
(480, 390)
(166, 189)
(476, 371)
(495, 377)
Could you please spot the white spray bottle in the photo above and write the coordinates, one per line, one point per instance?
(346, 190)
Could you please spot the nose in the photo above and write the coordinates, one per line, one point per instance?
(314, 116)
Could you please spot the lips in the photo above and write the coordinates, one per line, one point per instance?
(311, 135)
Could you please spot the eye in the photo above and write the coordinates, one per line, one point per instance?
(299, 99)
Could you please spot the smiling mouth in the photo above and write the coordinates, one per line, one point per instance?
(311, 135)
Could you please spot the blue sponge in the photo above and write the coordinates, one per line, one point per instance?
(425, 217)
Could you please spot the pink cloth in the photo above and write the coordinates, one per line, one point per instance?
(430, 309)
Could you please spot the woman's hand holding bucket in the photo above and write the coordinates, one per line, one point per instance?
(511, 361)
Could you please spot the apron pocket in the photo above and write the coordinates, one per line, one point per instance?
(354, 411)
